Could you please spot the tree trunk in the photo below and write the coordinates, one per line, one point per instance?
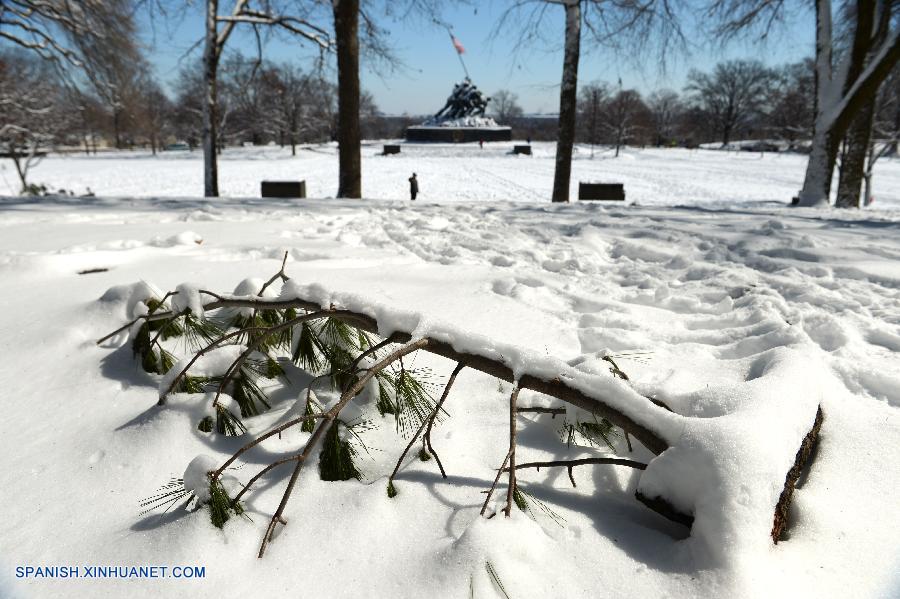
(819, 169)
(116, 134)
(346, 31)
(892, 151)
(210, 135)
(568, 100)
(726, 135)
(853, 164)
(20, 168)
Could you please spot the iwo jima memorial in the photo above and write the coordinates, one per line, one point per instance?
(462, 119)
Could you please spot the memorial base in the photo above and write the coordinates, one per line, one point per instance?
(458, 134)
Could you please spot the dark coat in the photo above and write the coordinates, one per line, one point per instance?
(413, 185)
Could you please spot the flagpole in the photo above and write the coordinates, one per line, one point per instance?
(458, 53)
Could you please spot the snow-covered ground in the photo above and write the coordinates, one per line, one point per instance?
(714, 290)
(448, 172)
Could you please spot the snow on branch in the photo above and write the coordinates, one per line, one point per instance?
(730, 476)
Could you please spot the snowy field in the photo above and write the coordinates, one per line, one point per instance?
(460, 172)
(711, 280)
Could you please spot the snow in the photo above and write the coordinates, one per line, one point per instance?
(196, 476)
(187, 299)
(707, 178)
(739, 313)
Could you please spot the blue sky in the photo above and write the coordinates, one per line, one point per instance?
(430, 64)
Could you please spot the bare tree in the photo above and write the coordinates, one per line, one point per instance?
(219, 27)
(590, 109)
(505, 106)
(63, 31)
(31, 111)
(733, 94)
(154, 118)
(665, 109)
(792, 105)
(622, 114)
(844, 82)
(637, 24)
(299, 106)
(873, 134)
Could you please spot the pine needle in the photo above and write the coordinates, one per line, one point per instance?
(167, 495)
(228, 424)
(595, 434)
(220, 508)
(413, 400)
(336, 457)
(496, 578)
(524, 499)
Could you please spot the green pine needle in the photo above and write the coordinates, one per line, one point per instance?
(309, 424)
(336, 457)
(142, 343)
(199, 332)
(149, 362)
(273, 369)
(596, 433)
(424, 455)
(391, 490)
(166, 361)
(337, 333)
(523, 500)
(192, 384)
(220, 508)
(519, 500)
(228, 424)
(306, 354)
(252, 400)
(413, 400)
(206, 425)
(171, 328)
(385, 404)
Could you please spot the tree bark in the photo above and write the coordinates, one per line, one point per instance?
(853, 164)
(210, 135)
(116, 132)
(346, 30)
(20, 170)
(838, 101)
(568, 100)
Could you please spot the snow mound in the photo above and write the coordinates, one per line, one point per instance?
(188, 299)
(728, 471)
(196, 477)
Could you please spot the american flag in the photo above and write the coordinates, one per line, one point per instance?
(457, 44)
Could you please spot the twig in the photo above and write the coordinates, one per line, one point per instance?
(428, 422)
(267, 330)
(450, 381)
(496, 478)
(553, 411)
(327, 420)
(569, 464)
(275, 431)
(511, 489)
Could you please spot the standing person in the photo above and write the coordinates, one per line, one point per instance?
(413, 187)
(481, 143)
